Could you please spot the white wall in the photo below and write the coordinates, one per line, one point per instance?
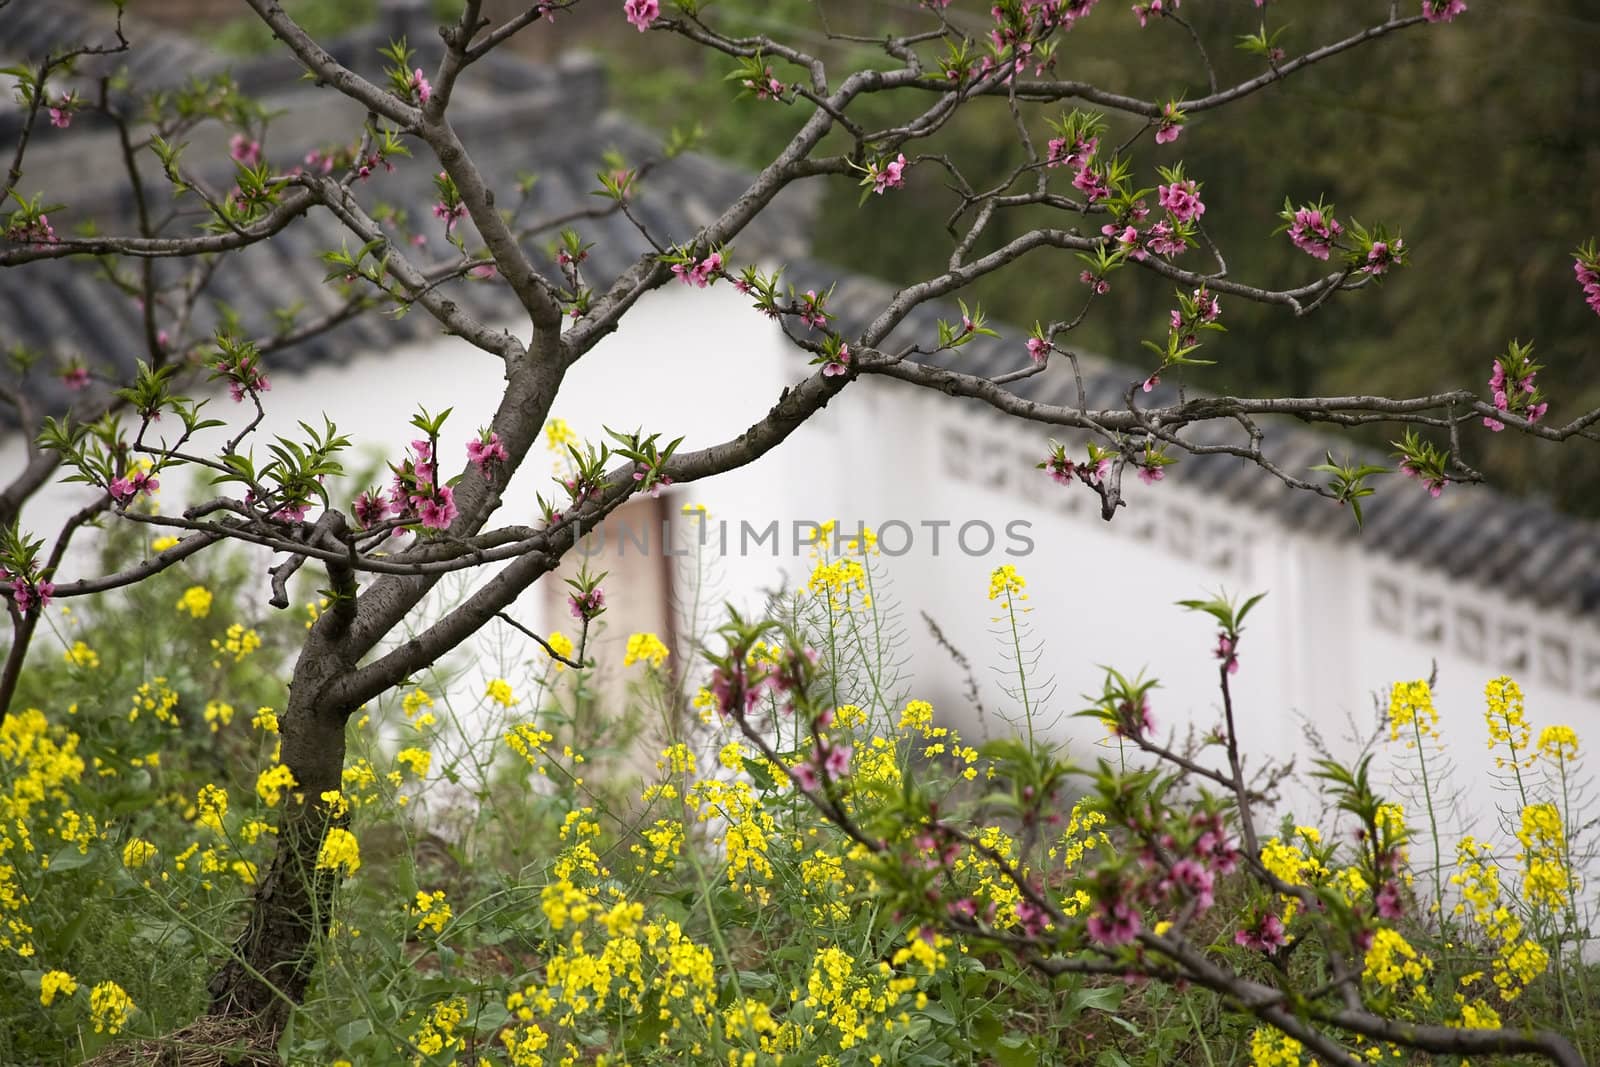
(1338, 624)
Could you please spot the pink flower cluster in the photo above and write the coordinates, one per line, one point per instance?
(1177, 871)
(1383, 255)
(838, 363)
(1170, 126)
(485, 450)
(1154, 7)
(1266, 936)
(586, 606)
(1587, 270)
(737, 688)
(61, 110)
(1434, 483)
(414, 493)
(1442, 10)
(699, 274)
(124, 489)
(1182, 200)
(811, 310)
(1225, 652)
(1077, 155)
(641, 12)
(243, 374)
(450, 213)
(656, 486)
(421, 86)
(28, 595)
(1313, 231)
(767, 87)
(1096, 283)
(825, 759)
(1512, 393)
(891, 176)
(244, 150)
(38, 233)
(1038, 349)
(1062, 470)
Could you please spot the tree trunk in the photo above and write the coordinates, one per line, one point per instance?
(274, 957)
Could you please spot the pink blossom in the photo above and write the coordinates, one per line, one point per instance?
(1092, 184)
(1182, 199)
(484, 452)
(292, 512)
(1165, 241)
(1032, 917)
(1151, 475)
(1038, 349)
(1225, 653)
(242, 149)
(1313, 233)
(76, 378)
(1170, 126)
(27, 595)
(655, 486)
(836, 762)
(699, 274)
(1389, 903)
(1197, 880)
(372, 507)
(892, 176)
(641, 12)
(250, 381)
(1139, 719)
(1114, 924)
(451, 215)
(1097, 284)
(1268, 936)
(1589, 277)
(589, 605)
(1434, 484)
(421, 86)
(61, 112)
(125, 488)
(811, 312)
(1154, 7)
(437, 510)
(1442, 10)
(1060, 469)
(1078, 155)
(805, 776)
(838, 364)
(1151, 382)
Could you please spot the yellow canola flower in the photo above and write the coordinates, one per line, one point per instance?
(81, 655)
(1558, 744)
(137, 852)
(109, 1007)
(196, 600)
(54, 982)
(1411, 712)
(499, 691)
(340, 851)
(271, 783)
(645, 646)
